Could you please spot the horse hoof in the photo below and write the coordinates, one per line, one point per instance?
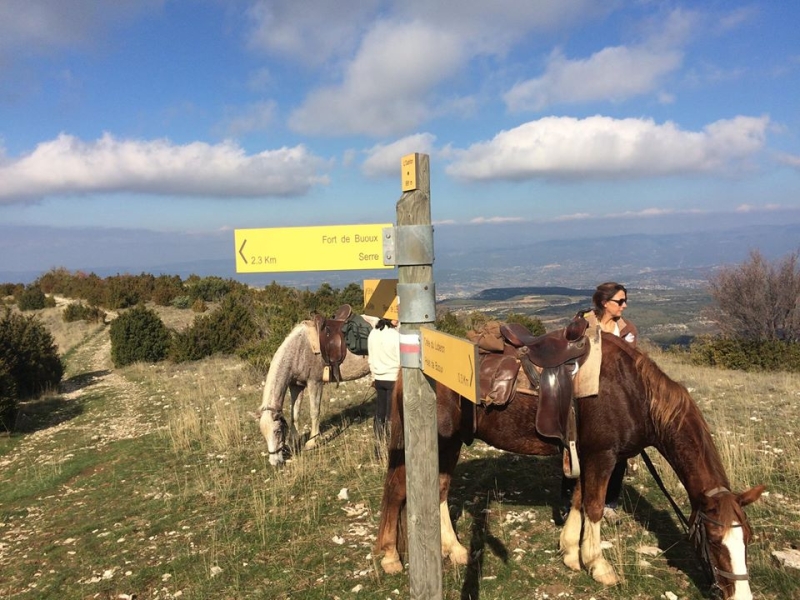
(311, 444)
(573, 561)
(459, 556)
(605, 575)
(392, 566)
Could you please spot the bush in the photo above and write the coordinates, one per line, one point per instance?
(182, 302)
(8, 398)
(532, 324)
(29, 354)
(223, 331)
(138, 335)
(31, 298)
(199, 306)
(746, 355)
(78, 311)
(757, 300)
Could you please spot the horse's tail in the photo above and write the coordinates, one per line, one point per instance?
(396, 434)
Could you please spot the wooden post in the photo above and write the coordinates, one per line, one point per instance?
(419, 406)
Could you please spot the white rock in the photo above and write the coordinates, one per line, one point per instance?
(357, 589)
(343, 494)
(649, 550)
(670, 596)
(337, 540)
(788, 558)
(215, 570)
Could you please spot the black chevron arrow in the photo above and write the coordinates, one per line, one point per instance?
(242, 253)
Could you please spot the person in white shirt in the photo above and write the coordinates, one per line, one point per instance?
(383, 353)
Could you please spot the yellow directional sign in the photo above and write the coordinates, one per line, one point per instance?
(408, 172)
(450, 360)
(322, 248)
(380, 298)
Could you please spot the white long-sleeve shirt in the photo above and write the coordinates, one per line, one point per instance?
(383, 348)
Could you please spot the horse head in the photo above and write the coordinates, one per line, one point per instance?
(273, 427)
(720, 532)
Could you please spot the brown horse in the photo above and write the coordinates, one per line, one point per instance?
(637, 406)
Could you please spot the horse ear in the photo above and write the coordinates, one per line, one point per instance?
(751, 495)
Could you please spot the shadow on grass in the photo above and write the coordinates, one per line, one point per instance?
(511, 479)
(660, 522)
(535, 481)
(36, 415)
(333, 425)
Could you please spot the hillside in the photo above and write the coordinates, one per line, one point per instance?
(152, 481)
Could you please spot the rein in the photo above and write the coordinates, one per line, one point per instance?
(697, 533)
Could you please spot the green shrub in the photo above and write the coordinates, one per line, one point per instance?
(29, 354)
(532, 324)
(199, 306)
(31, 298)
(166, 288)
(182, 302)
(78, 311)
(138, 335)
(223, 331)
(745, 354)
(9, 402)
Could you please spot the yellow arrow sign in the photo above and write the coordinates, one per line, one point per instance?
(322, 248)
(380, 298)
(450, 360)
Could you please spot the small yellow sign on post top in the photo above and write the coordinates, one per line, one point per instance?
(380, 298)
(450, 360)
(322, 248)
(408, 171)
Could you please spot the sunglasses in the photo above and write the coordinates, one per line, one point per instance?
(621, 301)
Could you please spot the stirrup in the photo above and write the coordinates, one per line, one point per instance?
(570, 464)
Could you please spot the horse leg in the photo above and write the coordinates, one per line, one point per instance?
(595, 482)
(295, 400)
(570, 540)
(314, 404)
(449, 451)
(394, 500)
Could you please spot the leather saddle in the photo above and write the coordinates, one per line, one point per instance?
(550, 362)
(332, 343)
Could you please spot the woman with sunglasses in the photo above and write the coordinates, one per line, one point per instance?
(610, 300)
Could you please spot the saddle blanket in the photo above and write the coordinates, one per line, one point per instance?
(587, 380)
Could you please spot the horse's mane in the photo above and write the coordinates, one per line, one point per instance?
(670, 402)
(276, 376)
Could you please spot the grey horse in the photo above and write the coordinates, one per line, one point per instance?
(298, 368)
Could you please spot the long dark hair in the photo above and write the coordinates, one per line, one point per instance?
(605, 292)
(384, 323)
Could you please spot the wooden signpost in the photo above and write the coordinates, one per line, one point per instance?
(356, 247)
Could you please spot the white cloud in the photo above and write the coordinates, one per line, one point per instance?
(482, 220)
(385, 88)
(311, 31)
(613, 74)
(67, 165)
(792, 160)
(384, 159)
(602, 147)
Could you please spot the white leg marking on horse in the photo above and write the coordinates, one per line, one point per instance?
(570, 540)
(734, 542)
(450, 545)
(592, 555)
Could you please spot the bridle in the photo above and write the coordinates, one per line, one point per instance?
(699, 539)
(277, 415)
(697, 533)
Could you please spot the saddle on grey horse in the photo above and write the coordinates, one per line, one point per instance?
(332, 343)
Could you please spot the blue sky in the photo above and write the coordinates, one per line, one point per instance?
(136, 131)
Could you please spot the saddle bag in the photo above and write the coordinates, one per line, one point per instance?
(356, 331)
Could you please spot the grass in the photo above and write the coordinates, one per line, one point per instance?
(153, 481)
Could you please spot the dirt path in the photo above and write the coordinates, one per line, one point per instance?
(95, 424)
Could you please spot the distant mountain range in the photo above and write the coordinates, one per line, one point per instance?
(468, 261)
